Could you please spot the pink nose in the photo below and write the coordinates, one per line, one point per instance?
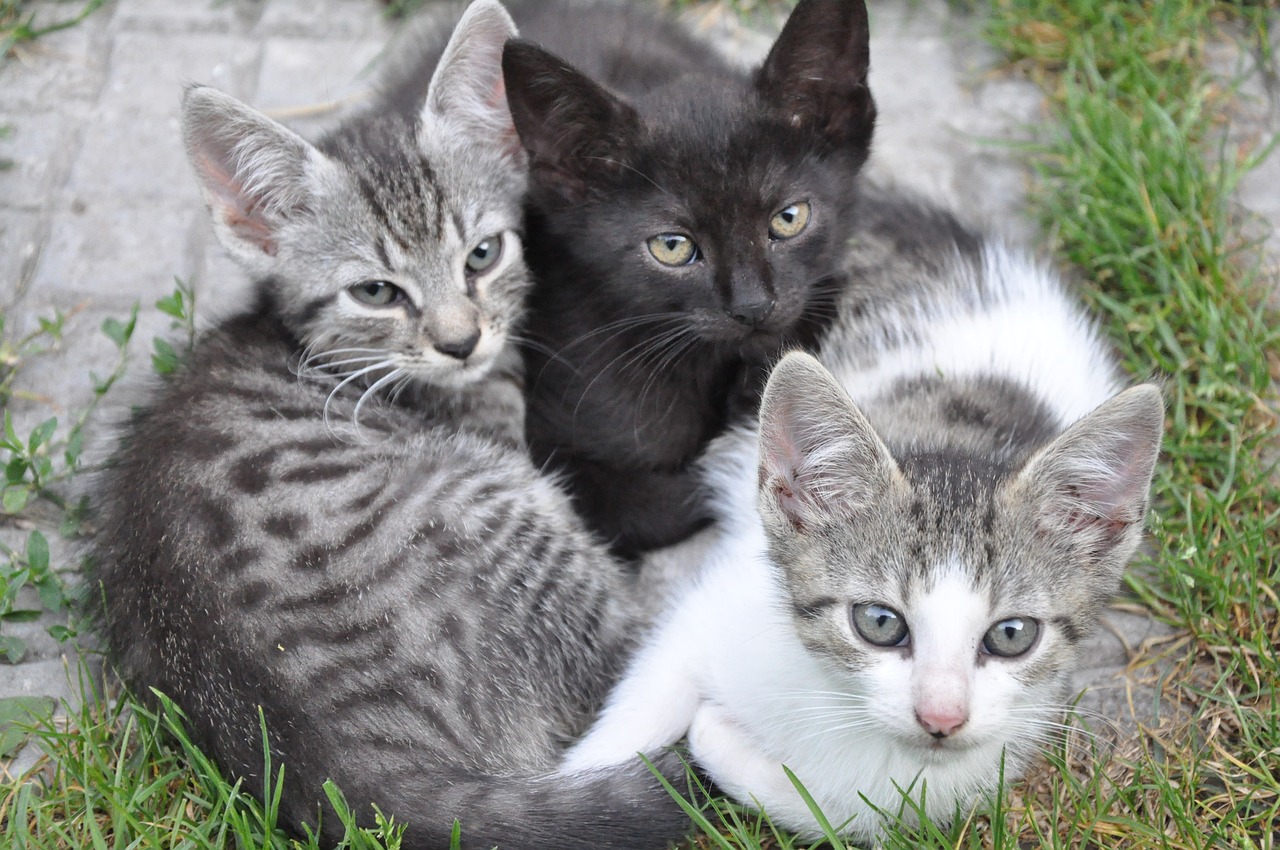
(941, 722)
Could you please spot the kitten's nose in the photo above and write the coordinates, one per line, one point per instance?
(753, 313)
(941, 722)
(460, 348)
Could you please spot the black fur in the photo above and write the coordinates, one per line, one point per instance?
(633, 366)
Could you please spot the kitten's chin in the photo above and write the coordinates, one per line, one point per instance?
(455, 377)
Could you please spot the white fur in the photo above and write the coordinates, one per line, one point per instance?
(1028, 327)
(725, 664)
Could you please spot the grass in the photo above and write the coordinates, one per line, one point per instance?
(1132, 186)
(18, 22)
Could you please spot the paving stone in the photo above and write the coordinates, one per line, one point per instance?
(309, 84)
(60, 382)
(21, 235)
(113, 253)
(68, 65)
(37, 149)
(189, 16)
(348, 20)
(132, 147)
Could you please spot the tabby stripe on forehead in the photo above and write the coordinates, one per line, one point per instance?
(1072, 632)
(437, 195)
(370, 194)
(813, 608)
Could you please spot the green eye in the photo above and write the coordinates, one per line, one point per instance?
(879, 624)
(377, 293)
(673, 249)
(789, 221)
(1011, 637)
(485, 254)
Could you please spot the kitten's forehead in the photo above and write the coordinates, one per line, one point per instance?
(418, 193)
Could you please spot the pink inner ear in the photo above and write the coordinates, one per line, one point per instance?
(240, 214)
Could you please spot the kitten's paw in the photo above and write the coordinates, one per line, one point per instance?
(729, 755)
(596, 751)
(726, 751)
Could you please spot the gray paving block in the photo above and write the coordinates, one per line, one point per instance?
(68, 65)
(132, 146)
(186, 17)
(21, 235)
(60, 381)
(112, 253)
(37, 149)
(65, 680)
(350, 20)
(309, 84)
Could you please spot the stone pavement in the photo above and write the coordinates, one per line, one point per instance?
(99, 209)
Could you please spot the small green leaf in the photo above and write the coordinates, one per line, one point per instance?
(16, 713)
(173, 305)
(165, 360)
(11, 650)
(53, 327)
(52, 596)
(15, 471)
(41, 434)
(37, 552)
(75, 445)
(61, 633)
(41, 468)
(15, 499)
(10, 435)
(22, 615)
(118, 331)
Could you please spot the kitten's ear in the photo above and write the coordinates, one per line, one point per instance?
(816, 72)
(467, 91)
(819, 456)
(569, 124)
(253, 172)
(1091, 484)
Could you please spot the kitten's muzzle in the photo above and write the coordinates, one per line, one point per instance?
(459, 348)
(941, 723)
(752, 314)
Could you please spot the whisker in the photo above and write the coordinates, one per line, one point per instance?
(359, 373)
(372, 390)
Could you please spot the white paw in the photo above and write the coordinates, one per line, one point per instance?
(596, 751)
(739, 766)
(727, 752)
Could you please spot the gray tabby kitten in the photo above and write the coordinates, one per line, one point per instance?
(917, 537)
(417, 613)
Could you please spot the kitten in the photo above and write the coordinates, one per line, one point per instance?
(687, 223)
(944, 503)
(416, 612)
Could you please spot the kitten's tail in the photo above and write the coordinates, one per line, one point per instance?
(623, 807)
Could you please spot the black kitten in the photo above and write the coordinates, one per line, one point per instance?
(686, 224)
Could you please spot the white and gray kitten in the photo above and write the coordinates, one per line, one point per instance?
(916, 538)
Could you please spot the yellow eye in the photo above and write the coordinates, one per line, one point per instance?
(672, 249)
(789, 221)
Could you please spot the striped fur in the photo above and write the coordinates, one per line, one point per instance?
(417, 612)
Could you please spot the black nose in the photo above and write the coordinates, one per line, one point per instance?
(460, 348)
(753, 313)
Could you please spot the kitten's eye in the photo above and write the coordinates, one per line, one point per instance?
(673, 249)
(879, 624)
(1011, 637)
(377, 293)
(485, 254)
(789, 221)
